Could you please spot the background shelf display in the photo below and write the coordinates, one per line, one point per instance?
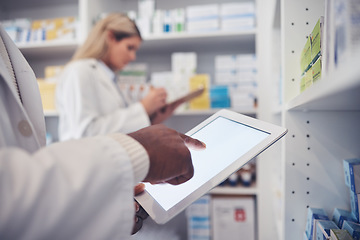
(338, 90)
(156, 51)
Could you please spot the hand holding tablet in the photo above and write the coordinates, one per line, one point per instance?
(231, 139)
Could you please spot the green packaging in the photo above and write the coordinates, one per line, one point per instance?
(316, 70)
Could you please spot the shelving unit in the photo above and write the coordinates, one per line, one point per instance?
(46, 49)
(238, 190)
(323, 124)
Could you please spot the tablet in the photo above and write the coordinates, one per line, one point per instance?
(231, 139)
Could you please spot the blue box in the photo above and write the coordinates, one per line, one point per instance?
(313, 214)
(323, 229)
(219, 96)
(340, 215)
(352, 174)
(354, 205)
(352, 228)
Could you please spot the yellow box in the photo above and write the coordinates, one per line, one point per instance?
(196, 82)
(47, 93)
(53, 71)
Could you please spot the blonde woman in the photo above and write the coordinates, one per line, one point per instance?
(89, 100)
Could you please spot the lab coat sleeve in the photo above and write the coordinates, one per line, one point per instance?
(90, 106)
(79, 189)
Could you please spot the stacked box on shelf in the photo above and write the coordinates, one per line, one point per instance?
(340, 234)
(352, 180)
(340, 215)
(238, 72)
(323, 228)
(196, 82)
(353, 228)
(233, 217)
(47, 87)
(314, 215)
(198, 218)
(202, 18)
(237, 16)
(18, 29)
(146, 10)
(132, 81)
(311, 57)
(63, 29)
(183, 67)
(219, 96)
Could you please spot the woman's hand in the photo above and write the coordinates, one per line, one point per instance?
(154, 100)
(164, 113)
(140, 214)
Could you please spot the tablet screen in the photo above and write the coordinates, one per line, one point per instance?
(226, 141)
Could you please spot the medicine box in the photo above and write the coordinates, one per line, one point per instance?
(340, 215)
(314, 214)
(323, 228)
(316, 39)
(47, 93)
(316, 70)
(198, 217)
(233, 218)
(352, 228)
(202, 12)
(354, 204)
(340, 234)
(352, 174)
(305, 61)
(196, 82)
(219, 96)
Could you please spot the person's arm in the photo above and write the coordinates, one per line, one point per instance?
(71, 190)
(83, 189)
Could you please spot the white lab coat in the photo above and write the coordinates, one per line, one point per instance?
(79, 189)
(89, 103)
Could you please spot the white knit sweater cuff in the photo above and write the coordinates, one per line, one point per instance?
(137, 154)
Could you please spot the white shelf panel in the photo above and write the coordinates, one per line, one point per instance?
(209, 112)
(197, 41)
(51, 113)
(48, 48)
(186, 35)
(252, 190)
(338, 91)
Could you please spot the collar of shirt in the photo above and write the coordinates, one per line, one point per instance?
(110, 73)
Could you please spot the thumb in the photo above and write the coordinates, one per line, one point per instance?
(139, 188)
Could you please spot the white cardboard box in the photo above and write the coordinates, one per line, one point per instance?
(233, 218)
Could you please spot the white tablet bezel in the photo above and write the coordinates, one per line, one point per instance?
(161, 216)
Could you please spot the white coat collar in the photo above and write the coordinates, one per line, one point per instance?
(110, 73)
(29, 90)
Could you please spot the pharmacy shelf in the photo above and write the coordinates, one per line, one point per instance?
(48, 48)
(240, 190)
(338, 91)
(205, 112)
(210, 112)
(51, 113)
(197, 41)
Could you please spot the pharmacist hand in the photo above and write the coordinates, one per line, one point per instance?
(164, 113)
(154, 100)
(140, 213)
(170, 158)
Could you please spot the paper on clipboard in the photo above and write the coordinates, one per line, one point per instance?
(187, 97)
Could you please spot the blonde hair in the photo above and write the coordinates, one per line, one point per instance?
(95, 46)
